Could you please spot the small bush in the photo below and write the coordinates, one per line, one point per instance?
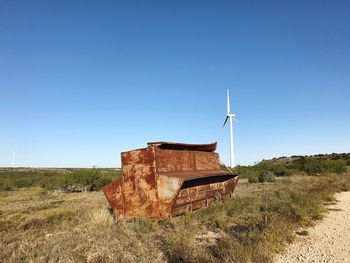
(281, 170)
(253, 179)
(266, 177)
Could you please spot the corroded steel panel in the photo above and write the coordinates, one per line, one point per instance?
(186, 161)
(198, 204)
(140, 185)
(174, 161)
(205, 161)
(111, 190)
(190, 199)
(203, 192)
(180, 210)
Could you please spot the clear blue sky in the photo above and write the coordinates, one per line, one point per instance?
(82, 81)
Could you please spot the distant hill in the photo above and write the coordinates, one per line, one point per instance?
(289, 160)
(319, 164)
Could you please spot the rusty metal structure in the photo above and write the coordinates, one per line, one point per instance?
(168, 179)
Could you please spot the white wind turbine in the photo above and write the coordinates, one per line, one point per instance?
(230, 116)
(13, 159)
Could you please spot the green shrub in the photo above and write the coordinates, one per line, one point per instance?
(338, 166)
(280, 170)
(266, 177)
(253, 179)
(319, 165)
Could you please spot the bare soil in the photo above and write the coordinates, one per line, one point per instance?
(328, 241)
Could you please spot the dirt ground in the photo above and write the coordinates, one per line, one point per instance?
(328, 241)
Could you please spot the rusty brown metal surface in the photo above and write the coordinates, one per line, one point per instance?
(168, 179)
(195, 197)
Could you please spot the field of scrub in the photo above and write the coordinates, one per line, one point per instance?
(42, 225)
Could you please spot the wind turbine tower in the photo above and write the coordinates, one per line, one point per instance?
(230, 117)
(13, 159)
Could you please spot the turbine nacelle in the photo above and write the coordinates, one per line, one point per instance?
(232, 116)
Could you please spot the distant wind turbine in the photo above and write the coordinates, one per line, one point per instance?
(230, 116)
(13, 159)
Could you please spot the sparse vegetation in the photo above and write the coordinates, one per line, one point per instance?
(302, 165)
(266, 176)
(69, 180)
(53, 226)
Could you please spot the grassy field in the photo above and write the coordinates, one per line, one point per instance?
(38, 225)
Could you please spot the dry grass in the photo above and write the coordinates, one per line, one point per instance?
(101, 217)
(37, 226)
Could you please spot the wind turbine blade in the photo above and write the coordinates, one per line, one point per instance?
(228, 102)
(225, 121)
(236, 120)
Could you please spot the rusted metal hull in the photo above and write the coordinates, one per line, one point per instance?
(168, 180)
(195, 197)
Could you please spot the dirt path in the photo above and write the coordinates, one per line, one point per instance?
(328, 241)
